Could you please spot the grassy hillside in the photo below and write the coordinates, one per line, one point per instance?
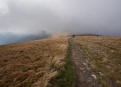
(47, 62)
(103, 57)
(33, 63)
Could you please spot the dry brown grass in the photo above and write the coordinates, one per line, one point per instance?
(61, 35)
(104, 56)
(32, 63)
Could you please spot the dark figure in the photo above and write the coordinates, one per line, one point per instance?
(73, 36)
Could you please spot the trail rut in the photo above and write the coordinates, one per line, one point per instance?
(83, 76)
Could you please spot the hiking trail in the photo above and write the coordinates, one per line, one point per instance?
(83, 76)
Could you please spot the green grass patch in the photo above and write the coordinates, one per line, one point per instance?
(66, 77)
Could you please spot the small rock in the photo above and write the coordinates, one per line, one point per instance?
(101, 73)
(81, 69)
(108, 66)
(112, 51)
(84, 64)
(94, 76)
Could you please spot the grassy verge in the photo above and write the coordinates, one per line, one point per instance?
(66, 77)
(96, 66)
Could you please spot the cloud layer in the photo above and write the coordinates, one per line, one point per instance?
(78, 16)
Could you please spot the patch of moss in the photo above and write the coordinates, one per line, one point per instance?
(66, 77)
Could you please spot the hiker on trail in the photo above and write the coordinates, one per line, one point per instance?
(73, 36)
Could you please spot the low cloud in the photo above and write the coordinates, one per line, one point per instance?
(7, 38)
(30, 17)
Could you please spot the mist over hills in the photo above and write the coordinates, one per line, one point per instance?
(22, 20)
(7, 38)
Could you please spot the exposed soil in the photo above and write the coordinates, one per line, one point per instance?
(83, 76)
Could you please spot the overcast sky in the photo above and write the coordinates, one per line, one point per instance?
(78, 16)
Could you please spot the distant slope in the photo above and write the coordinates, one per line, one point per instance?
(87, 35)
(60, 35)
(8, 38)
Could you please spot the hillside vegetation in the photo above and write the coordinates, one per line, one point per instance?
(33, 63)
(48, 62)
(103, 58)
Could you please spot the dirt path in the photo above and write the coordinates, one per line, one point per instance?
(83, 76)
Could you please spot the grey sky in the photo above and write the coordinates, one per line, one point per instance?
(79, 16)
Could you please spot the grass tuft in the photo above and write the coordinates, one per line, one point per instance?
(66, 77)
